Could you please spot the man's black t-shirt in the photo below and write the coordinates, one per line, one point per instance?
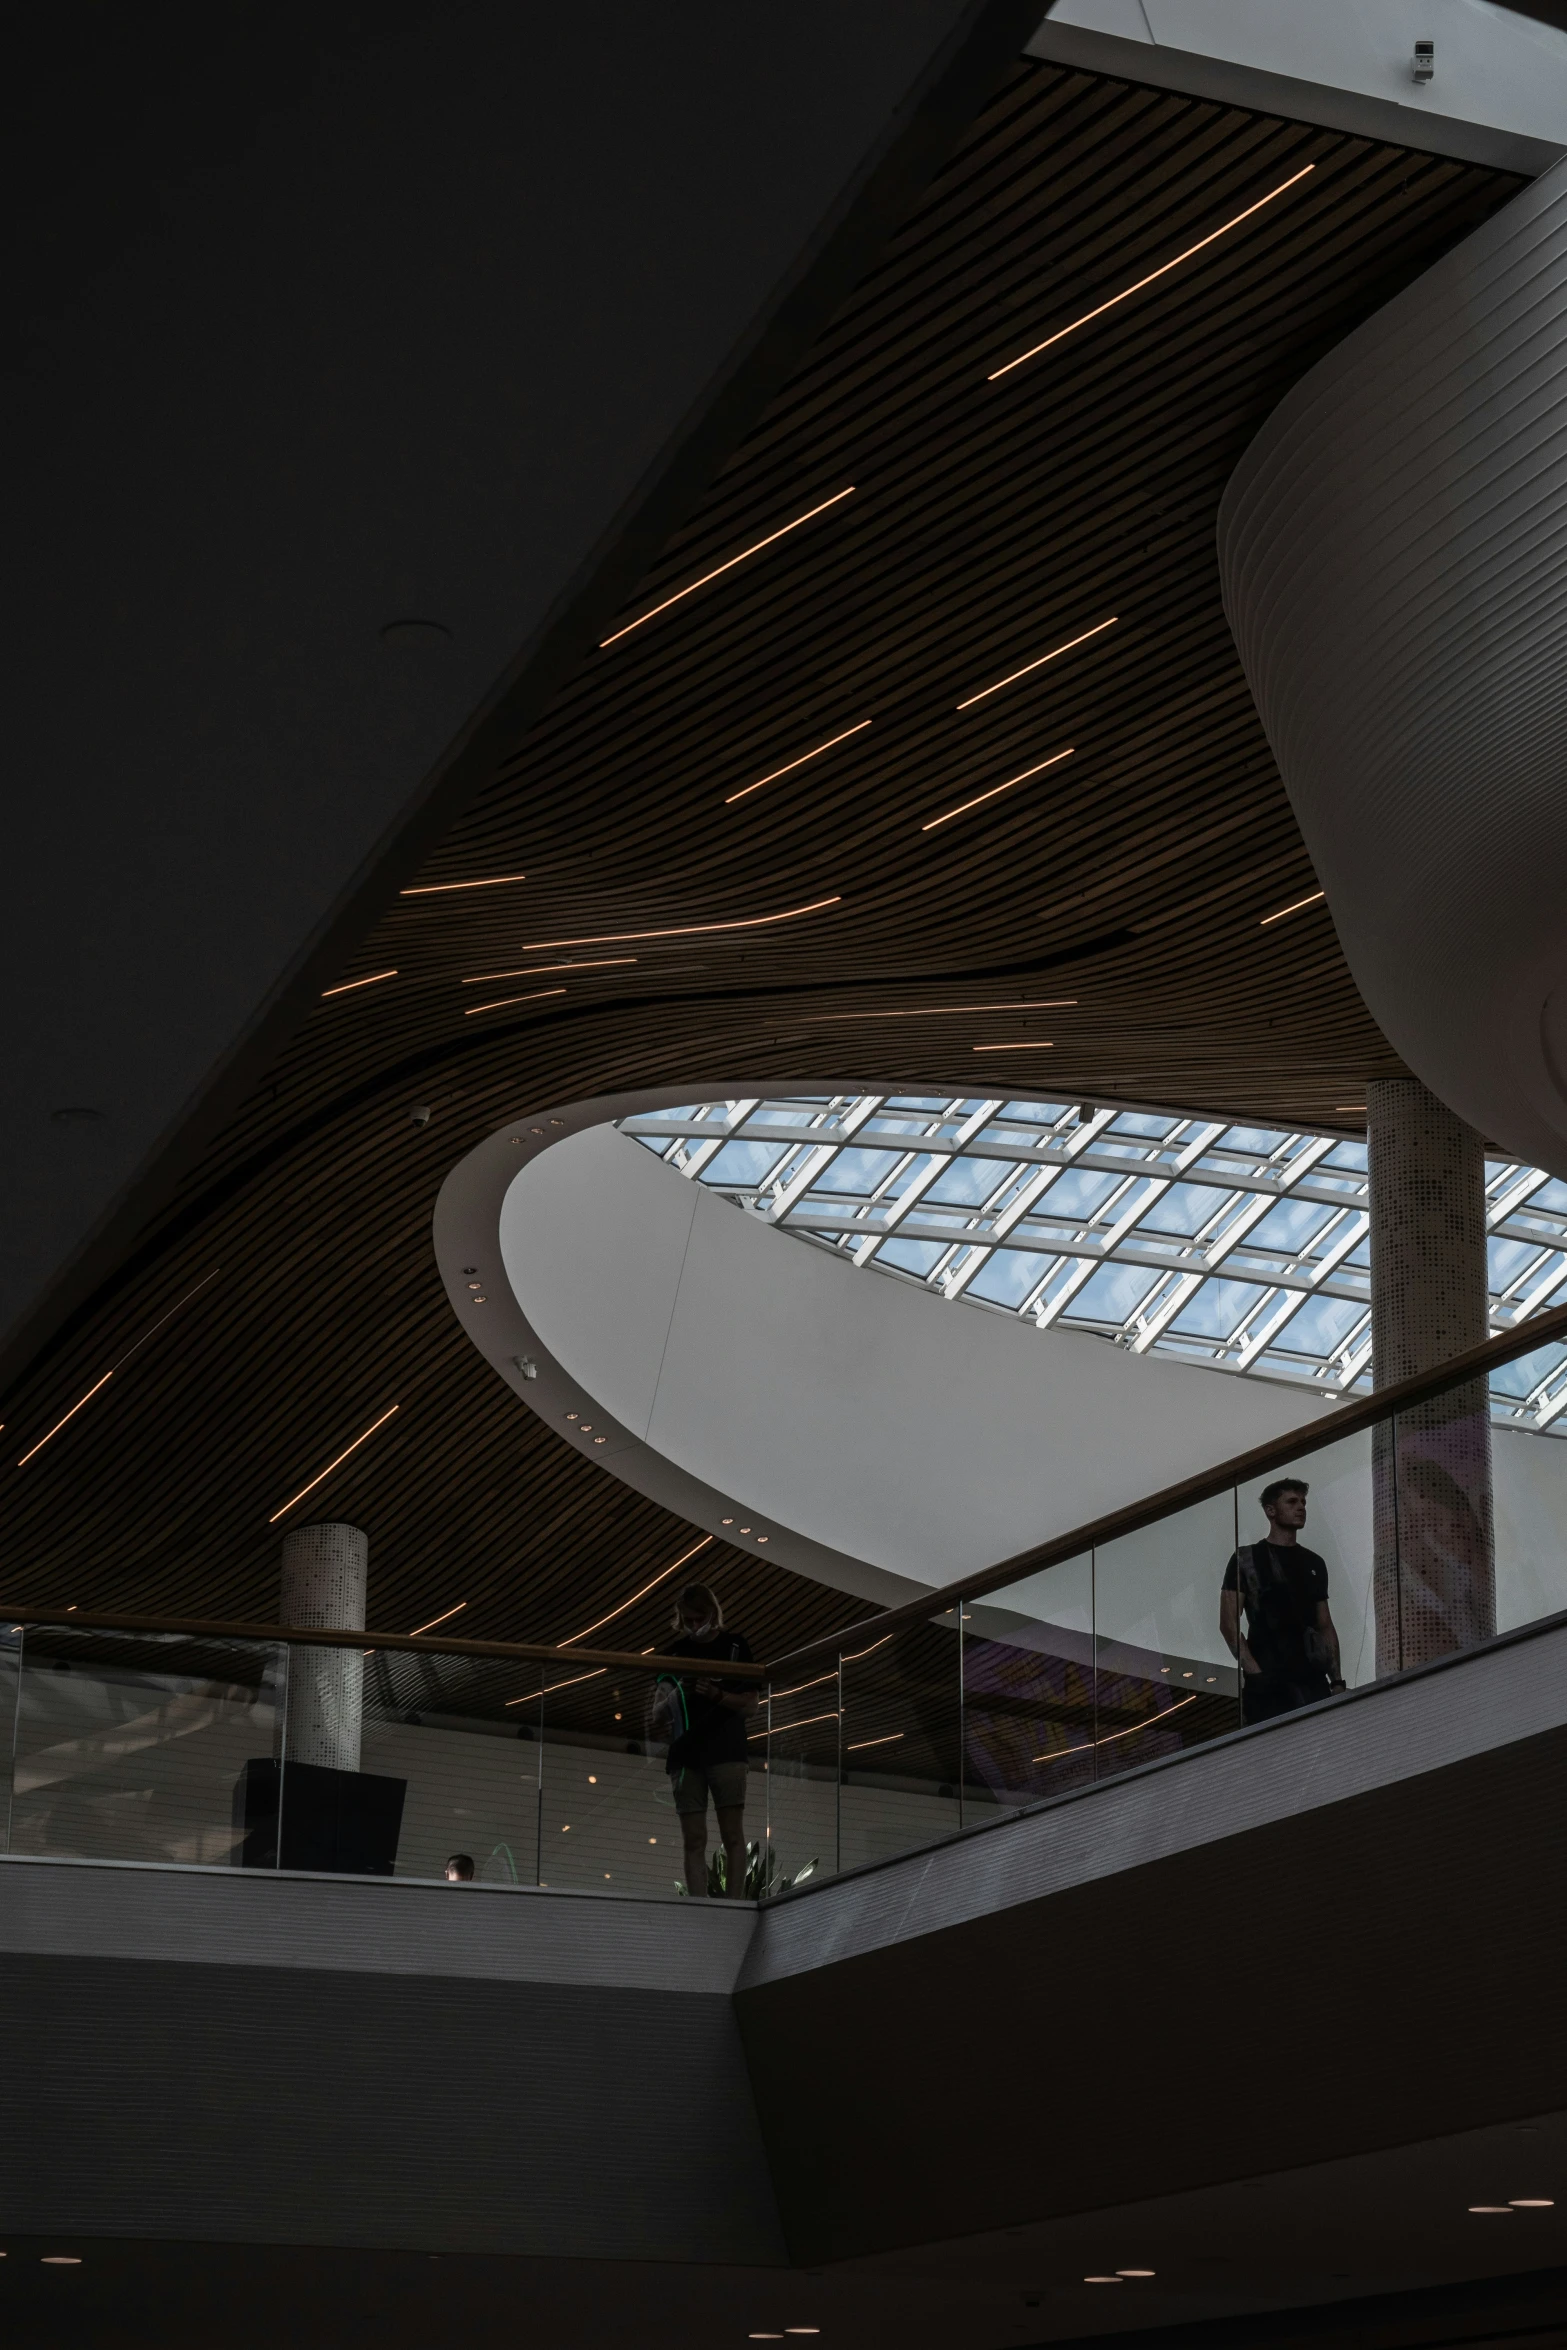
(1280, 1585)
(714, 1732)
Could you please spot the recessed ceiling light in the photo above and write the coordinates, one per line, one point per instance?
(598, 1440)
(349, 985)
(1500, 2210)
(726, 1521)
(1315, 897)
(803, 760)
(1135, 2272)
(593, 1775)
(540, 946)
(501, 1002)
(1164, 270)
(332, 1464)
(755, 549)
(435, 889)
(61, 2259)
(1031, 666)
(1533, 2202)
(762, 1538)
(996, 789)
(1102, 2280)
(745, 1529)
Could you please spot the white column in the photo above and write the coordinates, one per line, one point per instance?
(1435, 1574)
(325, 1569)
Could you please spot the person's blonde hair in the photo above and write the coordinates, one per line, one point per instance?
(698, 1597)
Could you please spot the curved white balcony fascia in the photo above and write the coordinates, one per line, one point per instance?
(1393, 551)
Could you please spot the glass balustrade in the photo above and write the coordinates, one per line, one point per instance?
(1421, 1534)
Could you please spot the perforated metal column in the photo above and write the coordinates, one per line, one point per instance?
(325, 1569)
(1435, 1574)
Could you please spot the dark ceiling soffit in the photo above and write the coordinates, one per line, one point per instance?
(1280, 1452)
(1485, 2311)
(910, 150)
(1196, 76)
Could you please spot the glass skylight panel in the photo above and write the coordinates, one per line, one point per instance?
(1101, 1220)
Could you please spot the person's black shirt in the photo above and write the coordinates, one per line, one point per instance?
(714, 1732)
(1280, 1586)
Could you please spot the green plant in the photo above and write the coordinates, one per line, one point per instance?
(763, 1876)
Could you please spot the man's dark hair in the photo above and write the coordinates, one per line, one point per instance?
(1282, 1485)
(462, 1862)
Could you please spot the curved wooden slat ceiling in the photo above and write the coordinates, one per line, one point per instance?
(989, 522)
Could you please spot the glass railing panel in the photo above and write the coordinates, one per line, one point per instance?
(1028, 1689)
(607, 1815)
(142, 1748)
(1529, 1519)
(1165, 1678)
(444, 1768)
(799, 1740)
(902, 1771)
(12, 1640)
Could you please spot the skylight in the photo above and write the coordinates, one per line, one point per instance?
(1245, 1248)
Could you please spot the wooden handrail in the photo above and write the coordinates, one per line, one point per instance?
(1348, 1420)
(322, 1636)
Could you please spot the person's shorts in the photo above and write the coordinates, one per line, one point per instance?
(726, 1779)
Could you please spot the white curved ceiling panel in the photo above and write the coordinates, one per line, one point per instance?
(1393, 548)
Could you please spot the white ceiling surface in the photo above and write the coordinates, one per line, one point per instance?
(1491, 66)
(877, 1420)
(404, 348)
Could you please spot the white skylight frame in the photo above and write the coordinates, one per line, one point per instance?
(1145, 1228)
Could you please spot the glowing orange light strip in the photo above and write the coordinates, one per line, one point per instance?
(860, 1744)
(331, 1465)
(610, 938)
(803, 760)
(662, 1577)
(435, 889)
(349, 985)
(996, 789)
(681, 593)
(1295, 909)
(1030, 666)
(1062, 1752)
(780, 1694)
(537, 997)
(1127, 292)
(434, 1620)
(1056, 1003)
(871, 1651)
(779, 1727)
(533, 1695)
(1021, 1044)
(120, 1365)
(598, 963)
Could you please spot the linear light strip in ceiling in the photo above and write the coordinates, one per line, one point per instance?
(1021, 1044)
(434, 1620)
(334, 1464)
(1127, 292)
(435, 889)
(532, 1696)
(1058, 1003)
(755, 549)
(997, 788)
(609, 938)
(598, 963)
(179, 1305)
(500, 1005)
(349, 985)
(1294, 909)
(779, 1728)
(803, 760)
(662, 1576)
(1030, 666)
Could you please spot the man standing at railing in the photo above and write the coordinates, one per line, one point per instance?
(709, 1752)
(1288, 1650)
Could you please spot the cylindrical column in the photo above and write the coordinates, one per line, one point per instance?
(325, 1569)
(1435, 1572)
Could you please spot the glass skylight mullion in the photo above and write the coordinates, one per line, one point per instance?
(936, 1166)
(1182, 1290)
(1080, 1273)
(1529, 1181)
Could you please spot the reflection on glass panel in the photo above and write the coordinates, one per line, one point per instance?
(798, 1735)
(12, 1638)
(1435, 1544)
(135, 1747)
(1166, 1678)
(902, 1741)
(607, 1816)
(1529, 1488)
(1330, 1566)
(1028, 1689)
